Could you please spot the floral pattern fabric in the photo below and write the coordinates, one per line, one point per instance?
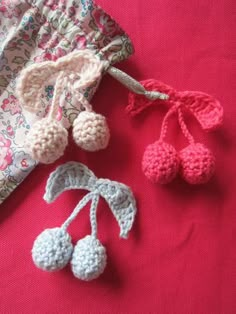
(36, 31)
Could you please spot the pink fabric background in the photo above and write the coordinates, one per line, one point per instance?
(180, 257)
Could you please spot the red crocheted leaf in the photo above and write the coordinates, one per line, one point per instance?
(204, 107)
(207, 110)
(137, 103)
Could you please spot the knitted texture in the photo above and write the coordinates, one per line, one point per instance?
(52, 249)
(160, 162)
(46, 141)
(90, 131)
(197, 164)
(89, 259)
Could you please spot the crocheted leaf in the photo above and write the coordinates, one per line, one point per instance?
(31, 82)
(72, 175)
(207, 110)
(81, 68)
(138, 103)
(121, 201)
(204, 107)
(84, 68)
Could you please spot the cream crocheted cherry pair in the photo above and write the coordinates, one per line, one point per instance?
(48, 138)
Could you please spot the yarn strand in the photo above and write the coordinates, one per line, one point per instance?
(93, 217)
(184, 128)
(164, 127)
(77, 209)
(80, 96)
(58, 90)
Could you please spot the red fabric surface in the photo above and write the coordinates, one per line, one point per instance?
(180, 256)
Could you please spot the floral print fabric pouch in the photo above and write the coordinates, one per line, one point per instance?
(36, 31)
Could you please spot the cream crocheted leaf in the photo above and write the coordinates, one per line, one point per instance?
(31, 82)
(121, 201)
(81, 69)
(72, 175)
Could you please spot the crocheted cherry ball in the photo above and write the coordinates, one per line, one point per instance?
(52, 249)
(46, 141)
(197, 164)
(90, 131)
(89, 259)
(160, 162)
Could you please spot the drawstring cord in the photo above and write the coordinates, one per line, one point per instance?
(133, 85)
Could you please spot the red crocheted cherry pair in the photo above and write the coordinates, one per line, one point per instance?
(161, 162)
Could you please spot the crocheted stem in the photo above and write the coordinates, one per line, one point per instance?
(80, 97)
(58, 90)
(77, 209)
(164, 126)
(134, 85)
(93, 216)
(184, 128)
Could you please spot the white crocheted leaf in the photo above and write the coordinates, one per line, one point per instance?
(72, 175)
(121, 201)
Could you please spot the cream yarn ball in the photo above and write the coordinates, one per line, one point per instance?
(89, 259)
(90, 131)
(46, 141)
(52, 249)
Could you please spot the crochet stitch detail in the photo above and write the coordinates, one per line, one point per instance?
(160, 162)
(52, 249)
(197, 164)
(90, 131)
(46, 141)
(89, 259)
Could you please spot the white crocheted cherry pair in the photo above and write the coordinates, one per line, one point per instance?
(53, 249)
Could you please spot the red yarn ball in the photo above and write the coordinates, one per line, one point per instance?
(197, 164)
(160, 162)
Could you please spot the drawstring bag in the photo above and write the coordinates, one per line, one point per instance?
(52, 57)
(37, 32)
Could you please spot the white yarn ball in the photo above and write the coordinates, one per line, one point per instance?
(89, 259)
(90, 131)
(46, 141)
(52, 249)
